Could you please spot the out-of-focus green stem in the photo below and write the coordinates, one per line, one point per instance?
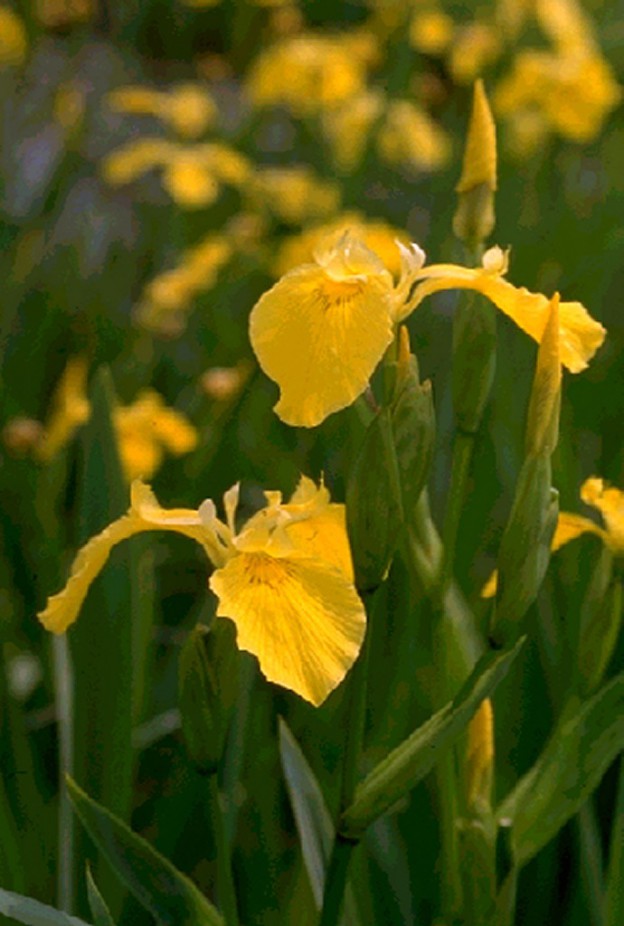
(463, 447)
(225, 879)
(64, 697)
(336, 881)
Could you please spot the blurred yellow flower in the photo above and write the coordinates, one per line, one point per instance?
(321, 330)
(349, 124)
(192, 174)
(307, 73)
(188, 109)
(294, 194)
(146, 429)
(13, 40)
(410, 136)
(572, 94)
(376, 235)
(70, 408)
(610, 503)
(285, 579)
(431, 31)
(475, 47)
(58, 14)
(224, 383)
(167, 300)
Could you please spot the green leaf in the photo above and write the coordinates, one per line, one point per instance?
(406, 765)
(33, 913)
(314, 823)
(99, 910)
(168, 895)
(614, 898)
(570, 767)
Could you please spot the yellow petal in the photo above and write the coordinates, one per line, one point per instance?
(610, 502)
(580, 335)
(303, 621)
(144, 514)
(320, 339)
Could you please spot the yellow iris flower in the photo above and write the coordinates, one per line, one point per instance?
(285, 579)
(610, 503)
(321, 330)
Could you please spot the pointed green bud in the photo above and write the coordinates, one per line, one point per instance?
(374, 505)
(525, 548)
(207, 677)
(413, 425)
(474, 219)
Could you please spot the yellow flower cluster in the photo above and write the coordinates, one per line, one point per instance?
(167, 300)
(285, 579)
(568, 89)
(320, 332)
(309, 72)
(146, 429)
(13, 40)
(294, 194)
(187, 109)
(191, 174)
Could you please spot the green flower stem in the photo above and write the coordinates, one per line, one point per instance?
(336, 881)
(614, 900)
(337, 870)
(225, 879)
(463, 447)
(64, 696)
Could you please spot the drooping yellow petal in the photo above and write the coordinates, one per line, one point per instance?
(303, 621)
(610, 502)
(580, 335)
(144, 514)
(319, 333)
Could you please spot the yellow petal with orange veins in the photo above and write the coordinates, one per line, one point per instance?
(324, 537)
(144, 514)
(580, 335)
(320, 338)
(303, 621)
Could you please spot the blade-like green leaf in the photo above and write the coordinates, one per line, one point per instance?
(33, 913)
(168, 895)
(99, 910)
(570, 767)
(406, 765)
(314, 824)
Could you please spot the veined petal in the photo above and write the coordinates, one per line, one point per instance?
(580, 335)
(324, 537)
(144, 514)
(320, 339)
(303, 621)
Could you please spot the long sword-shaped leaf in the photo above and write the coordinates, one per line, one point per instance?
(314, 823)
(33, 913)
(406, 765)
(168, 895)
(570, 767)
(99, 910)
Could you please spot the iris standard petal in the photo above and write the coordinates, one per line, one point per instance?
(320, 339)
